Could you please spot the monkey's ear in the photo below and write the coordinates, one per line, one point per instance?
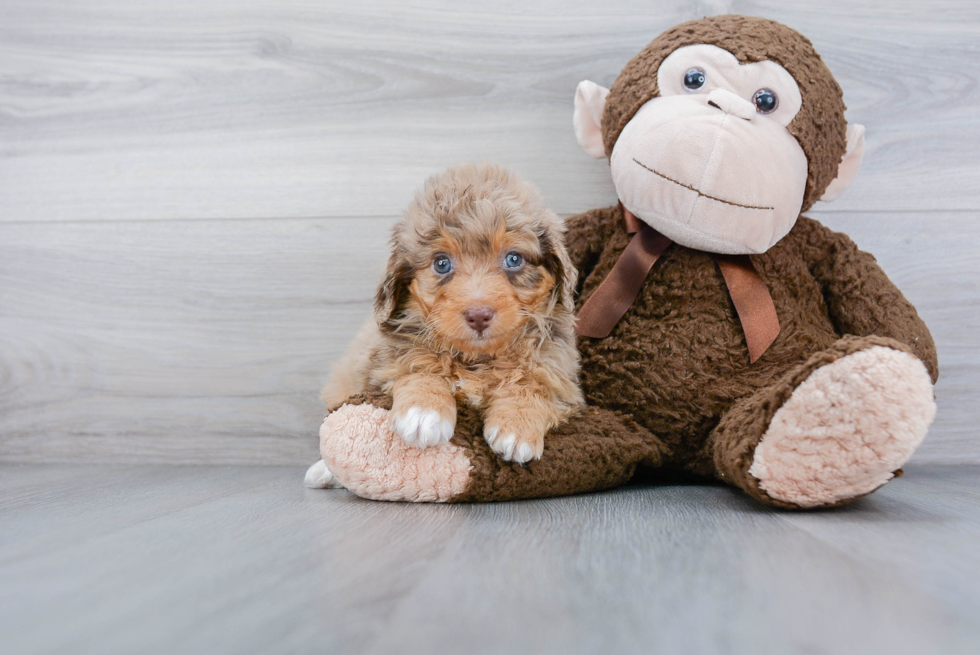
(391, 291)
(849, 164)
(590, 100)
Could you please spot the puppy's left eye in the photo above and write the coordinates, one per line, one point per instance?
(513, 261)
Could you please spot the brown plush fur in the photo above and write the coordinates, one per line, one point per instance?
(522, 369)
(678, 380)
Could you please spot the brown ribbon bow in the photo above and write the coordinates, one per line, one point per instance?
(617, 292)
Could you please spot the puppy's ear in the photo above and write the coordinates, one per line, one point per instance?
(391, 291)
(559, 264)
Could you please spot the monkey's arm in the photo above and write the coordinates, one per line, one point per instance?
(586, 235)
(861, 299)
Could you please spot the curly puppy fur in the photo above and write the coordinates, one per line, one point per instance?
(521, 366)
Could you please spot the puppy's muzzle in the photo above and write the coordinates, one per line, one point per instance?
(478, 318)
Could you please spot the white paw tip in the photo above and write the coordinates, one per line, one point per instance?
(524, 453)
(423, 427)
(504, 445)
(319, 476)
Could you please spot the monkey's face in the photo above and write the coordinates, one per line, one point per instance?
(710, 163)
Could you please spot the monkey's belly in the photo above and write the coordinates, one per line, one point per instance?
(678, 359)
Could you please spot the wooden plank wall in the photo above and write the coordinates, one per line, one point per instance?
(195, 195)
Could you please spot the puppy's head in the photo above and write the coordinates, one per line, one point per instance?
(477, 260)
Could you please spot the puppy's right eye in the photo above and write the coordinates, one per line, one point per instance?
(442, 265)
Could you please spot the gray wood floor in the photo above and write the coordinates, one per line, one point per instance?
(168, 559)
(194, 196)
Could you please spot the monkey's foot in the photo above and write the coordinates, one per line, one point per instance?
(846, 429)
(372, 461)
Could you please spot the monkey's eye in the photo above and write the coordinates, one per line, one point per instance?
(442, 264)
(694, 79)
(765, 101)
(513, 261)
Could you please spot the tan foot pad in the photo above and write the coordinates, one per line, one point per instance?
(846, 429)
(374, 462)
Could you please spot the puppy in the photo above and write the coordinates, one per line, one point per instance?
(476, 304)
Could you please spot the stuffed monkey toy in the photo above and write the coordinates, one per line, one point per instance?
(722, 333)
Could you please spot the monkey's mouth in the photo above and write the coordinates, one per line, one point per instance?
(700, 193)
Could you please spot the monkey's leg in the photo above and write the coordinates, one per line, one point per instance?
(834, 429)
(595, 450)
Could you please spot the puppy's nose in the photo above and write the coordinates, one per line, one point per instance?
(478, 318)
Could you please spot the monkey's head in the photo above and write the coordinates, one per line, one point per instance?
(721, 131)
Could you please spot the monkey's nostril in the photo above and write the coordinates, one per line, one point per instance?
(478, 318)
(731, 104)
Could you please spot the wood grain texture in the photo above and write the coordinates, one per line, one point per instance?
(195, 196)
(177, 341)
(245, 560)
(217, 109)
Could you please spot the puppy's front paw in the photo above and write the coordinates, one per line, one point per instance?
(514, 446)
(422, 427)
